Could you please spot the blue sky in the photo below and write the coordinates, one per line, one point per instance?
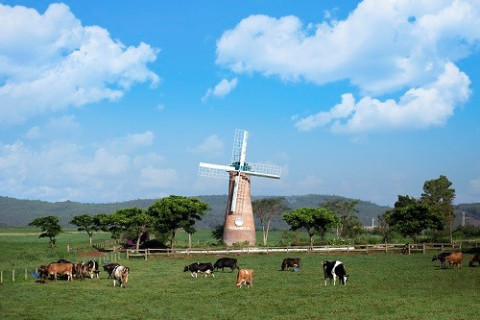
(104, 101)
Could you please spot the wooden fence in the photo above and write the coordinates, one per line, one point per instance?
(366, 248)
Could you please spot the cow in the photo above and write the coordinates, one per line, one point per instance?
(197, 267)
(79, 270)
(476, 258)
(92, 268)
(120, 273)
(455, 259)
(108, 268)
(333, 270)
(226, 263)
(288, 263)
(244, 277)
(56, 268)
(441, 257)
(43, 272)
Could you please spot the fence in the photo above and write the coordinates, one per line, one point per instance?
(384, 247)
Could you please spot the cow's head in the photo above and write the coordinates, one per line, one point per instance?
(186, 268)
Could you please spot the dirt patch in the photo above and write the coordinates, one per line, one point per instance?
(91, 254)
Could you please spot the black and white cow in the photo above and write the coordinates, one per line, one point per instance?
(120, 273)
(92, 268)
(226, 263)
(197, 267)
(333, 270)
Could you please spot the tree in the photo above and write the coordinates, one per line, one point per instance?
(136, 221)
(312, 219)
(267, 208)
(49, 226)
(114, 223)
(411, 216)
(175, 212)
(438, 195)
(349, 224)
(85, 223)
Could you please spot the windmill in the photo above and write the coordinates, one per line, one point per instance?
(239, 222)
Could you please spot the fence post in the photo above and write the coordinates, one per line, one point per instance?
(386, 247)
(408, 245)
(423, 248)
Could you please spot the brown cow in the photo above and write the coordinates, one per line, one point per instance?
(244, 277)
(55, 268)
(455, 259)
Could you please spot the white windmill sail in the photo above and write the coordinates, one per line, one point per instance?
(239, 164)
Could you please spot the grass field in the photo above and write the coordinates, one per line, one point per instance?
(381, 286)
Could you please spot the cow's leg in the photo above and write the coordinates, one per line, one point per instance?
(114, 282)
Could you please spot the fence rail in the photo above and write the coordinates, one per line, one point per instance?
(384, 247)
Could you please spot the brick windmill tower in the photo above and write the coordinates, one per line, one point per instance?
(239, 223)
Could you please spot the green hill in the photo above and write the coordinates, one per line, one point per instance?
(18, 213)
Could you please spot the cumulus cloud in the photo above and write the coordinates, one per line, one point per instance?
(223, 88)
(212, 145)
(60, 170)
(50, 62)
(382, 47)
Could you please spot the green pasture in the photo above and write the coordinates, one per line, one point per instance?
(381, 286)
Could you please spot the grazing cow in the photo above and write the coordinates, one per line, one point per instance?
(197, 267)
(288, 263)
(244, 277)
(120, 274)
(476, 258)
(56, 268)
(79, 270)
(441, 257)
(92, 268)
(334, 269)
(455, 259)
(43, 272)
(226, 263)
(109, 268)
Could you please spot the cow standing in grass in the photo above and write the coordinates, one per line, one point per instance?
(288, 263)
(244, 277)
(198, 267)
(441, 257)
(476, 258)
(333, 270)
(120, 274)
(226, 263)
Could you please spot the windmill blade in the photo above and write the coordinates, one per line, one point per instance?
(264, 170)
(214, 170)
(239, 151)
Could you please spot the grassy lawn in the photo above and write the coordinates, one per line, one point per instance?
(381, 286)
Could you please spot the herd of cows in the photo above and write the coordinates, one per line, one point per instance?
(80, 270)
(332, 270)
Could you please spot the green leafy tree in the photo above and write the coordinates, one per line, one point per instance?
(49, 226)
(439, 195)
(85, 223)
(410, 217)
(314, 220)
(136, 221)
(350, 225)
(177, 212)
(266, 209)
(115, 223)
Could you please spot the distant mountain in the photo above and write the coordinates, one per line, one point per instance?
(14, 212)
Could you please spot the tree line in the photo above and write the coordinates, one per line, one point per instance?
(410, 216)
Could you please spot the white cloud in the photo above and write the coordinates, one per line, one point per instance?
(223, 88)
(61, 170)
(50, 62)
(430, 105)
(381, 47)
(212, 145)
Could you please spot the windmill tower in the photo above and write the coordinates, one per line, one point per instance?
(239, 223)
